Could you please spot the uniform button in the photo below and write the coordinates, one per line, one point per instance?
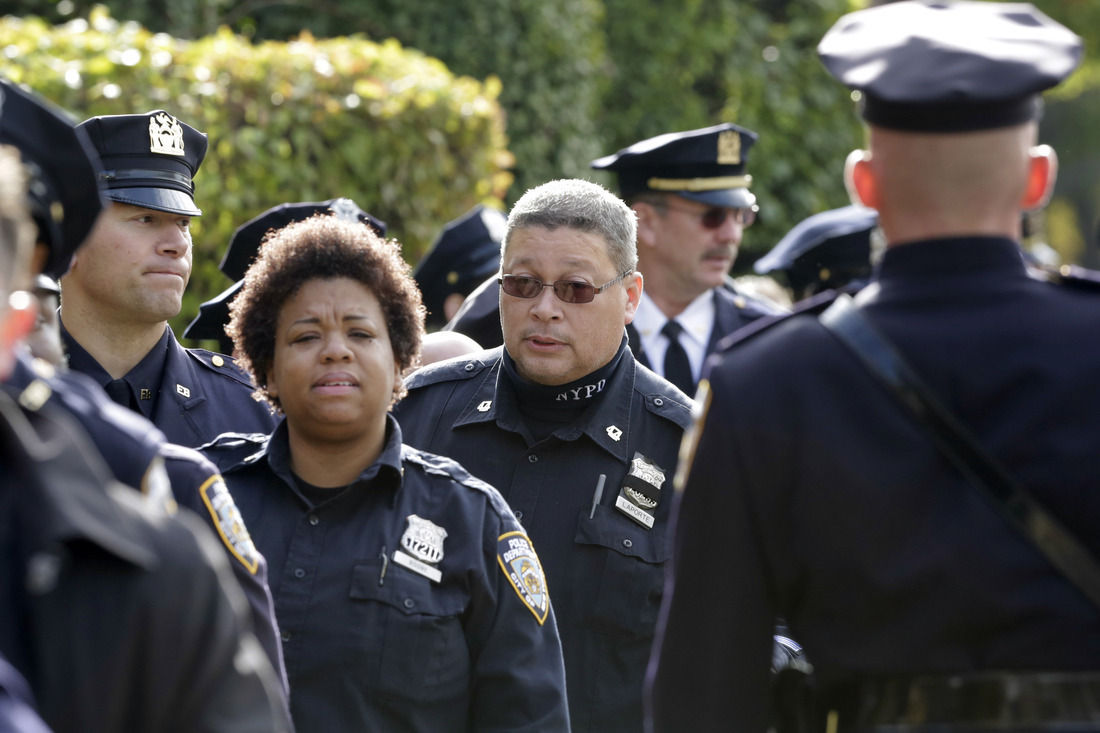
(658, 401)
(299, 573)
(532, 458)
(217, 361)
(285, 636)
(627, 543)
(519, 515)
(313, 520)
(409, 603)
(469, 367)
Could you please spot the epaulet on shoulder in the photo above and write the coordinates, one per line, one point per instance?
(220, 363)
(1075, 276)
(810, 306)
(443, 466)
(458, 367)
(235, 441)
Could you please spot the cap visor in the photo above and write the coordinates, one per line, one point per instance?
(731, 198)
(160, 199)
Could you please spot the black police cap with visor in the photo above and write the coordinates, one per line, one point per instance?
(148, 160)
(243, 247)
(62, 168)
(830, 249)
(705, 165)
(943, 67)
(466, 252)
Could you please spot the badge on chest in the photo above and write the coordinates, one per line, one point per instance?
(641, 491)
(421, 548)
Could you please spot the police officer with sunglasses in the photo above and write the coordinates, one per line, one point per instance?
(578, 437)
(691, 195)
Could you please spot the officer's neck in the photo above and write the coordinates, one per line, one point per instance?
(116, 346)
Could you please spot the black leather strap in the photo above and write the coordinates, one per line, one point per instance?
(845, 320)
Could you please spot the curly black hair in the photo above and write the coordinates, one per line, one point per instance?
(319, 248)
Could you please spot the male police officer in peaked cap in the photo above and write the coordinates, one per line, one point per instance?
(129, 278)
(691, 193)
(817, 493)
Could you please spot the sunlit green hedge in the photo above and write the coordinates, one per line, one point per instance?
(304, 120)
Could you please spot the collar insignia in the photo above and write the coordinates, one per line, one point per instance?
(614, 432)
(184, 391)
(484, 406)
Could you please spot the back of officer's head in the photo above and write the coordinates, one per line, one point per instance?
(950, 91)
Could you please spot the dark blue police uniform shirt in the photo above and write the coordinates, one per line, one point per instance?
(605, 567)
(816, 497)
(192, 395)
(137, 455)
(375, 642)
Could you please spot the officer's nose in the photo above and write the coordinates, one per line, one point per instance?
(173, 241)
(546, 305)
(336, 348)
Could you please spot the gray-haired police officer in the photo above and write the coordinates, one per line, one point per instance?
(579, 438)
(128, 280)
(815, 495)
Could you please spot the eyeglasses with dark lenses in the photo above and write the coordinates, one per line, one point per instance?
(569, 291)
(715, 216)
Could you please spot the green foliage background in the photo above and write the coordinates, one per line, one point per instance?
(577, 79)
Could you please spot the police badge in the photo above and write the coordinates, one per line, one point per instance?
(421, 548)
(521, 566)
(165, 135)
(641, 491)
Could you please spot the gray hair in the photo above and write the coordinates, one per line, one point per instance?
(584, 206)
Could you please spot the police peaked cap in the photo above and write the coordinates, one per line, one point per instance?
(823, 248)
(245, 243)
(149, 160)
(942, 66)
(706, 165)
(465, 253)
(62, 167)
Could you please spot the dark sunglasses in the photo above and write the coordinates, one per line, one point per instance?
(715, 217)
(570, 291)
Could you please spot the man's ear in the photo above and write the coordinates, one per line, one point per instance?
(633, 285)
(647, 219)
(859, 179)
(1041, 173)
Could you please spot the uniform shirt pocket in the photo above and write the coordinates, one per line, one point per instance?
(412, 630)
(629, 565)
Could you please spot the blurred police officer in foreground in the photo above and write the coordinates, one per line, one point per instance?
(120, 619)
(816, 495)
(465, 253)
(64, 197)
(690, 193)
(830, 250)
(128, 280)
(578, 437)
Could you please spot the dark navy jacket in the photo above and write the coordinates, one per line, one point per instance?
(120, 618)
(201, 394)
(605, 569)
(410, 601)
(814, 496)
(167, 474)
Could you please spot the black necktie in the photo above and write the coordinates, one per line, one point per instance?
(119, 391)
(677, 366)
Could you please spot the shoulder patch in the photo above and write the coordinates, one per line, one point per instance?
(227, 520)
(521, 566)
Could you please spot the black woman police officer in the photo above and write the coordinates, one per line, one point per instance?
(128, 280)
(578, 437)
(815, 495)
